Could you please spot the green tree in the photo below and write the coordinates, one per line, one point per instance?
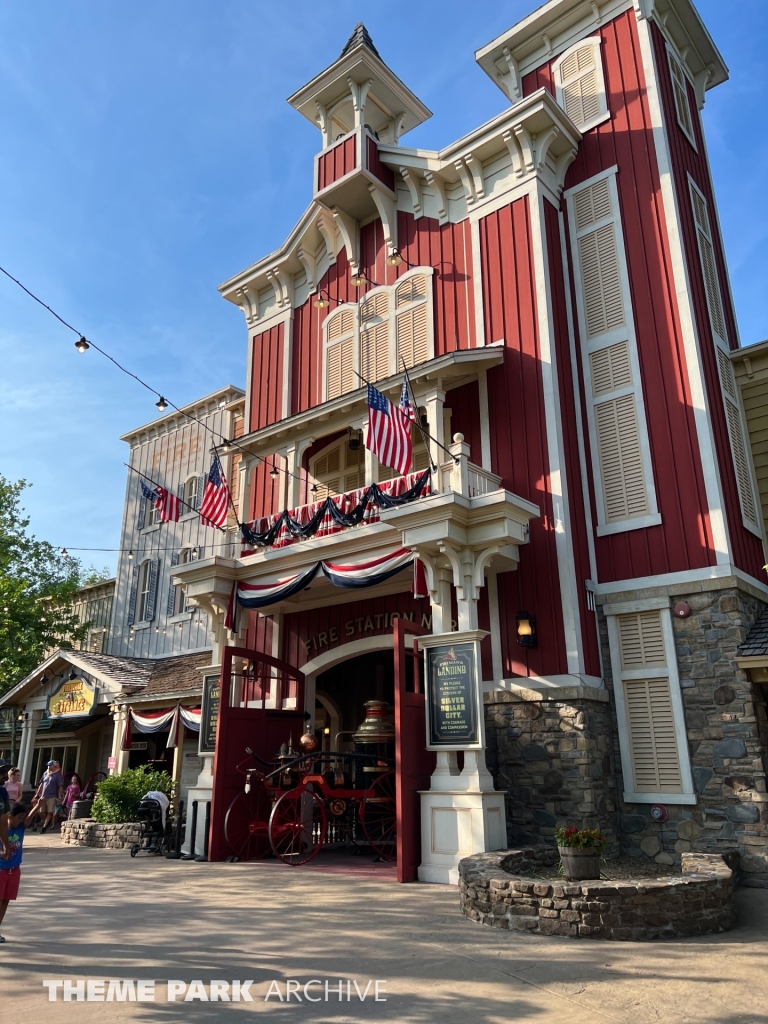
(36, 585)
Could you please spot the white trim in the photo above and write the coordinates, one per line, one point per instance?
(485, 426)
(558, 483)
(688, 794)
(287, 366)
(497, 657)
(680, 274)
(626, 333)
(638, 523)
(675, 579)
(334, 656)
(594, 42)
(643, 604)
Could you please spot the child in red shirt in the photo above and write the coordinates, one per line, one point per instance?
(10, 864)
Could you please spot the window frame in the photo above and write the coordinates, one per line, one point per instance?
(142, 594)
(596, 44)
(672, 60)
(589, 346)
(721, 344)
(669, 672)
(190, 495)
(357, 333)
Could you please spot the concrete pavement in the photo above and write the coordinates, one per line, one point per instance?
(98, 914)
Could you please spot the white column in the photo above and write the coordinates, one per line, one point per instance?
(441, 600)
(121, 756)
(434, 401)
(29, 732)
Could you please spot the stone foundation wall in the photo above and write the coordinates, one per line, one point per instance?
(698, 902)
(550, 750)
(727, 727)
(87, 832)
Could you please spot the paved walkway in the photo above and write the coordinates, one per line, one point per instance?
(98, 914)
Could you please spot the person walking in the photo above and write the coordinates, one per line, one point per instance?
(13, 786)
(74, 789)
(50, 790)
(10, 863)
(5, 806)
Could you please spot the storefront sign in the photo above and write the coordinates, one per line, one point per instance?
(210, 714)
(452, 695)
(75, 697)
(111, 763)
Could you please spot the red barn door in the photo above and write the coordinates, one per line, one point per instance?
(252, 678)
(413, 762)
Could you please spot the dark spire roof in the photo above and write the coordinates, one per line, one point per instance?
(359, 37)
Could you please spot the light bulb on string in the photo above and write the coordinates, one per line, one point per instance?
(321, 301)
(274, 471)
(130, 556)
(394, 259)
(82, 345)
(161, 404)
(64, 553)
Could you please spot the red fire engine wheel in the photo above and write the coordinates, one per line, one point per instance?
(378, 814)
(297, 826)
(246, 823)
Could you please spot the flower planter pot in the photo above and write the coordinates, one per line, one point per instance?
(580, 864)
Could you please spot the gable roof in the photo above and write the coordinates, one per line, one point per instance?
(756, 644)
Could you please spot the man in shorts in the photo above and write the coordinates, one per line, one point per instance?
(50, 792)
(10, 864)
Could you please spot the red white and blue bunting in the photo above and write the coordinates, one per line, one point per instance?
(158, 721)
(352, 576)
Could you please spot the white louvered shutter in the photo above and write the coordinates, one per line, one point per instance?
(171, 603)
(340, 353)
(680, 92)
(650, 715)
(412, 321)
(154, 573)
(619, 430)
(580, 83)
(354, 467)
(374, 340)
(326, 472)
(729, 389)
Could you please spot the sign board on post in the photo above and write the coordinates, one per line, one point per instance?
(111, 763)
(454, 699)
(72, 698)
(210, 714)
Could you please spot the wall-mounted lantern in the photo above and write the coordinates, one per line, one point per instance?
(526, 630)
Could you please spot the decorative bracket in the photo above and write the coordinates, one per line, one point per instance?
(436, 183)
(359, 92)
(412, 180)
(466, 180)
(349, 229)
(327, 229)
(387, 210)
(510, 79)
(279, 286)
(309, 262)
(249, 304)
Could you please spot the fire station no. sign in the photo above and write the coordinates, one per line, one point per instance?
(453, 717)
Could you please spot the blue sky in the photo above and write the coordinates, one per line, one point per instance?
(147, 153)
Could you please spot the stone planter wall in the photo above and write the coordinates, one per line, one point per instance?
(698, 902)
(87, 832)
(551, 751)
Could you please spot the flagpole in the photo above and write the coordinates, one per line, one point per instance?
(229, 492)
(425, 433)
(149, 478)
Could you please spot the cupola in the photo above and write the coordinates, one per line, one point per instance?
(359, 90)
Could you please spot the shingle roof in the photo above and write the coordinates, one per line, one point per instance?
(175, 675)
(756, 644)
(129, 672)
(360, 37)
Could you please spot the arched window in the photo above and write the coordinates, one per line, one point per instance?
(580, 85)
(179, 603)
(337, 469)
(340, 352)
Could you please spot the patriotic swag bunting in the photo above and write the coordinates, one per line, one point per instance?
(167, 504)
(358, 575)
(333, 513)
(215, 503)
(157, 721)
(389, 432)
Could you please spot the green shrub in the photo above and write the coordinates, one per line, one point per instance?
(119, 795)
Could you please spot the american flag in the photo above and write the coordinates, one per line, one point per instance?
(389, 432)
(405, 402)
(215, 503)
(167, 504)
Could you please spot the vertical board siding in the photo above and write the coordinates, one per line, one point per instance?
(747, 548)
(378, 169)
(266, 400)
(258, 635)
(572, 463)
(684, 539)
(266, 493)
(423, 242)
(336, 162)
(464, 403)
(518, 440)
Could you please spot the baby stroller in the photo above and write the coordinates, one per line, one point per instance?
(156, 828)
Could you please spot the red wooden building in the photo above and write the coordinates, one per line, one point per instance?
(556, 285)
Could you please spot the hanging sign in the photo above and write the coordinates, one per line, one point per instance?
(210, 714)
(73, 698)
(453, 696)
